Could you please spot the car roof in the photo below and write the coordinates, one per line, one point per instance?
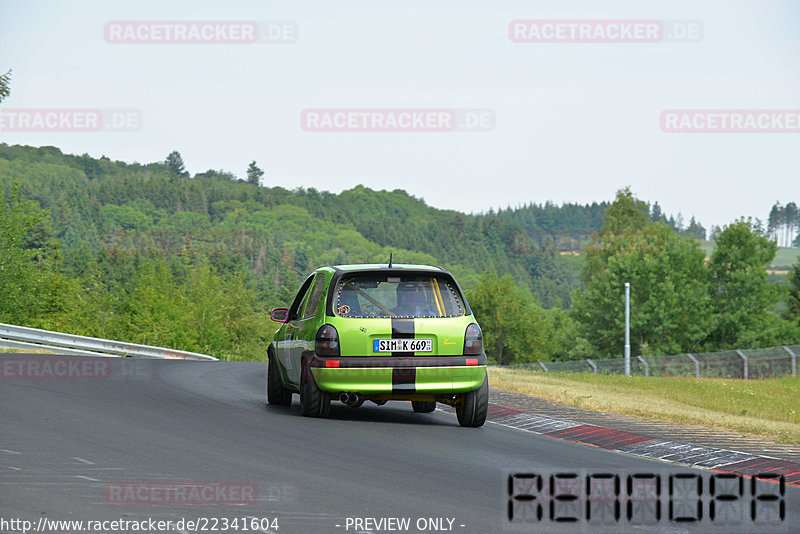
(385, 267)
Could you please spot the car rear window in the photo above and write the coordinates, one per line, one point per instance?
(367, 295)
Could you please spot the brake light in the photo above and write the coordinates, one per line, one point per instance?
(327, 341)
(472, 361)
(473, 340)
(332, 363)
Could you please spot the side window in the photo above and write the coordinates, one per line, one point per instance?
(294, 310)
(316, 293)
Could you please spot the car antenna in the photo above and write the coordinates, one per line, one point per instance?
(390, 260)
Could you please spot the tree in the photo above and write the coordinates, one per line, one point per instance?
(5, 85)
(156, 311)
(657, 215)
(626, 213)
(741, 296)
(695, 230)
(679, 222)
(669, 296)
(669, 300)
(32, 291)
(254, 173)
(626, 216)
(175, 163)
(782, 224)
(790, 220)
(775, 220)
(793, 298)
(18, 269)
(514, 326)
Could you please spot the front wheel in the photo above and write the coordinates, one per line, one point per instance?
(276, 393)
(474, 406)
(313, 401)
(423, 406)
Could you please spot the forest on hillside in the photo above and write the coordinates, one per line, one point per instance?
(101, 208)
(150, 254)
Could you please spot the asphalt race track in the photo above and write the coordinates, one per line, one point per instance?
(68, 442)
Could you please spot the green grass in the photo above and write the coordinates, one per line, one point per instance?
(785, 258)
(766, 408)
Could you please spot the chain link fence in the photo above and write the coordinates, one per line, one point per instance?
(750, 363)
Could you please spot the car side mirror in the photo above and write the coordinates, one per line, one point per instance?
(279, 315)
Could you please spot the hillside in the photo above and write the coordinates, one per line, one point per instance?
(100, 207)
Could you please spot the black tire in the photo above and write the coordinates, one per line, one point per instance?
(474, 406)
(313, 401)
(423, 406)
(276, 393)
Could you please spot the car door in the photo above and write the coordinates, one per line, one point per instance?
(285, 344)
(306, 325)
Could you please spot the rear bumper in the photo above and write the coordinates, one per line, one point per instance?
(399, 375)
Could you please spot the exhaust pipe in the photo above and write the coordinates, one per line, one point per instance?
(354, 400)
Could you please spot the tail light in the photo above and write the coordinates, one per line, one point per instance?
(473, 340)
(327, 341)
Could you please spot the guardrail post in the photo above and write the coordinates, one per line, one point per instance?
(794, 360)
(594, 367)
(646, 366)
(744, 365)
(544, 367)
(696, 365)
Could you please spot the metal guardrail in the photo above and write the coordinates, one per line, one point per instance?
(21, 337)
(745, 364)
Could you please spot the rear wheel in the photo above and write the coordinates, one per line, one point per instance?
(474, 406)
(276, 393)
(313, 401)
(423, 406)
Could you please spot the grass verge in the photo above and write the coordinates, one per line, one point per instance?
(766, 408)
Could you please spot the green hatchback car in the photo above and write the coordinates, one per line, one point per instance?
(377, 333)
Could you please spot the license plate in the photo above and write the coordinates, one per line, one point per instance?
(402, 345)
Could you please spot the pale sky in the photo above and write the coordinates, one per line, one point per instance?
(570, 121)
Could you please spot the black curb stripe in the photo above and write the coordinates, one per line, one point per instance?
(403, 378)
